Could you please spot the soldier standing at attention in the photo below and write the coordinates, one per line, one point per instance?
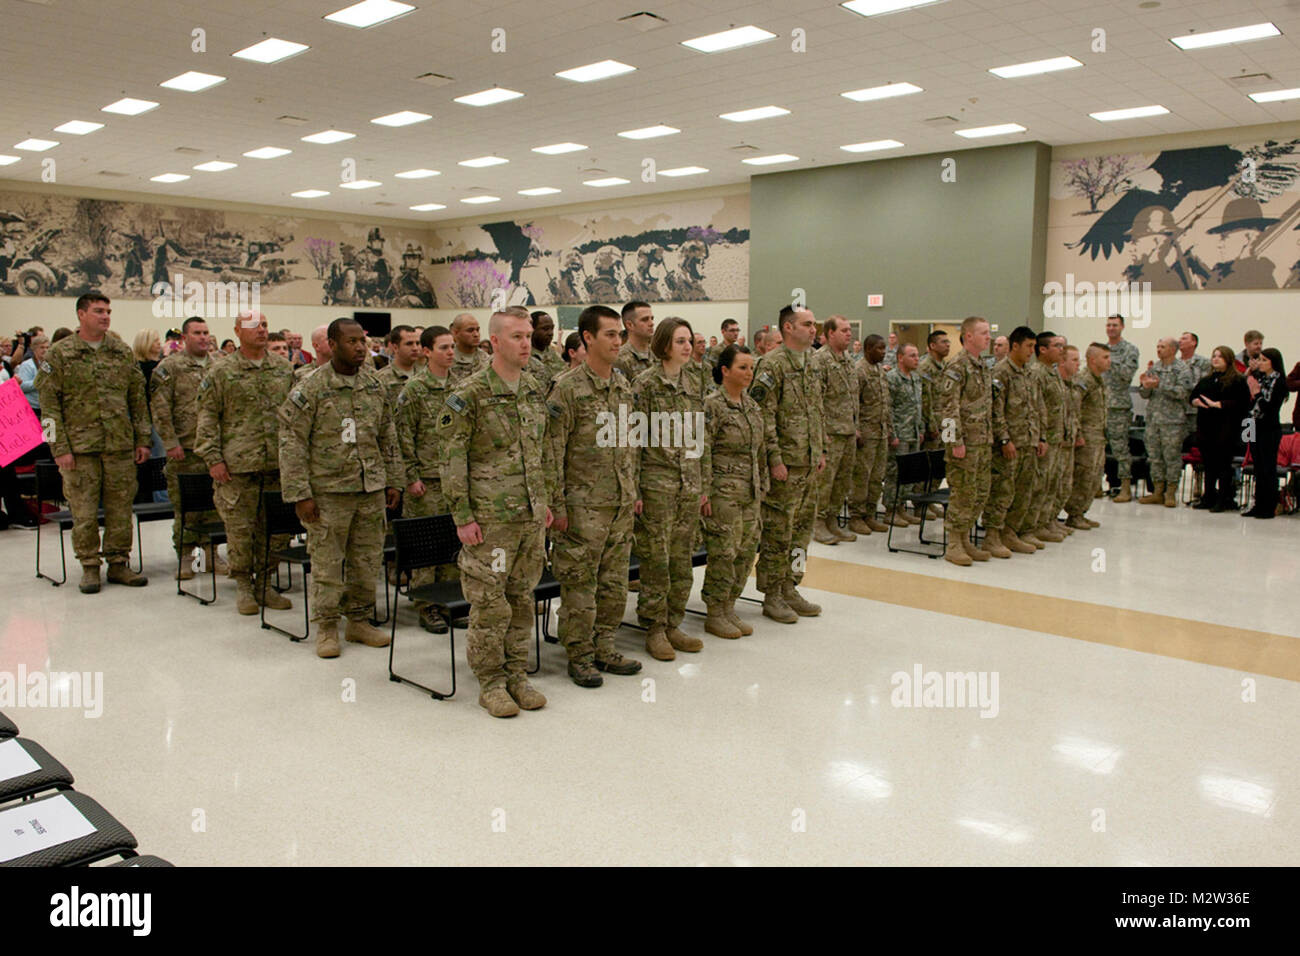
(740, 479)
(321, 343)
(418, 408)
(931, 368)
(469, 357)
(1017, 441)
(790, 394)
(1166, 385)
(549, 357)
(1037, 526)
(674, 483)
(1090, 456)
(1119, 402)
(594, 501)
(839, 382)
(700, 371)
(1199, 366)
(639, 324)
(493, 432)
(405, 345)
(730, 335)
(1072, 438)
(96, 415)
(238, 439)
(175, 406)
(965, 396)
(875, 431)
(906, 405)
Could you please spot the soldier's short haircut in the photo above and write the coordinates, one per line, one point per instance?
(1044, 340)
(760, 336)
(396, 333)
(185, 326)
(785, 316)
(1196, 339)
(275, 337)
(497, 321)
(1071, 348)
(729, 324)
(334, 332)
(727, 358)
(908, 345)
(590, 319)
(1120, 317)
(632, 306)
(1254, 335)
(935, 336)
(832, 323)
(430, 335)
(1020, 333)
(84, 301)
(662, 340)
(62, 332)
(537, 315)
(872, 340)
(459, 321)
(1098, 345)
(969, 323)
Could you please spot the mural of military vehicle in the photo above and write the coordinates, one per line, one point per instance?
(23, 270)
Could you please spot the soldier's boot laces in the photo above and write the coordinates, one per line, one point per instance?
(245, 601)
(122, 574)
(994, 546)
(360, 632)
(774, 606)
(498, 703)
(683, 642)
(797, 603)
(615, 663)
(719, 625)
(526, 695)
(327, 639)
(823, 534)
(584, 674)
(956, 554)
(736, 621)
(656, 644)
(89, 579)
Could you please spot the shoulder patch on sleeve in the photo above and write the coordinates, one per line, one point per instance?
(555, 410)
(161, 372)
(206, 383)
(297, 397)
(953, 374)
(445, 420)
(457, 404)
(45, 367)
(758, 391)
(401, 399)
(765, 377)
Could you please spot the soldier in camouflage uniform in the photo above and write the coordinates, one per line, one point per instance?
(839, 382)
(700, 371)
(1090, 457)
(931, 372)
(418, 408)
(875, 430)
(175, 406)
(906, 409)
(494, 467)
(1038, 523)
(594, 496)
(1199, 366)
(238, 439)
(1017, 442)
(339, 461)
(1166, 385)
(96, 418)
(319, 342)
(544, 364)
(965, 415)
(1072, 438)
(789, 392)
(1119, 402)
(469, 357)
(738, 459)
(730, 335)
(634, 357)
(405, 343)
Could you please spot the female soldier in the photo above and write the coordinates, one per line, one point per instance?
(674, 488)
(740, 478)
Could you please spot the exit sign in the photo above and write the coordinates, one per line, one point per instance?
(875, 301)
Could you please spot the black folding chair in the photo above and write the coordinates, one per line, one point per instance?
(7, 727)
(49, 487)
(196, 497)
(425, 543)
(917, 468)
(107, 838)
(282, 519)
(48, 775)
(150, 477)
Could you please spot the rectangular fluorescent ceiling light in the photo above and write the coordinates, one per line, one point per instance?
(477, 200)
(9, 160)
(267, 152)
(729, 39)
(607, 181)
(402, 118)
(683, 171)
(874, 8)
(539, 191)
(417, 174)
(1037, 66)
(1197, 41)
(78, 127)
(649, 132)
(882, 92)
(169, 178)
(271, 50)
(1272, 96)
(999, 130)
(556, 148)
(216, 166)
(596, 71)
(192, 82)
(369, 13)
(769, 160)
(482, 161)
(489, 97)
(1136, 112)
(428, 207)
(329, 136)
(360, 184)
(758, 113)
(129, 107)
(36, 145)
(310, 193)
(872, 146)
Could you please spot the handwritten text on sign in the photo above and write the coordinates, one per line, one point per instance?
(20, 429)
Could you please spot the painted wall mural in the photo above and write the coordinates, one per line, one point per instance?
(1212, 217)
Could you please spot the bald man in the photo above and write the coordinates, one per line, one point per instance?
(469, 357)
(1166, 385)
(320, 341)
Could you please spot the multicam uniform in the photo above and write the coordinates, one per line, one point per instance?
(965, 412)
(740, 480)
(876, 426)
(839, 384)
(418, 407)
(175, 406)
(1089, 458)
(1047, 477)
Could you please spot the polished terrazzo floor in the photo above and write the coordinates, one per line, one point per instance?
(1119, 734)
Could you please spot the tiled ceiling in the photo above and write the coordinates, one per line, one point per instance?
(65, 59)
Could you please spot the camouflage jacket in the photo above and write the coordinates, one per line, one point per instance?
(1167, 401)
(239, 405)
(394, 380)
(175, 402)
(738, 457)
(418, 408)
(701, 374)
(1073, 404)
(1092, 406)
(302, 371)
(1199, 366)
(906, 403)
(1017, 405)
(839, 383)
(676, 459)
(965, 401)
(791, 399)
(337, 436)
(92, 400)
(1123, 364)
(540, 370)
(875, 415)
(494, 453)
(462, 367)
(1052, 391)
(931, 373)
(632, 362)
(591, 466)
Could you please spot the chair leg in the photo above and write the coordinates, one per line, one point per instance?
(139, 545)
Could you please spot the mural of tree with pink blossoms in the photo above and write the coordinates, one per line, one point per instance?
(473, 282)
(321, 253)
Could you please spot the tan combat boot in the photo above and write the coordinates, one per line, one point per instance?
(875, 525)
(859, 525)
(245, 600)
(797, 603)
(1155, 496)
(1125, 491)
(1012, 541)
(774, 606)
(682, 641)
(1048, 533)
(1090, 522)
(497, 702)
(1029, 537)
(121, 573)
(656, 643)
(1171, 495)
(823, 534)
(186, 572)
(217, 562)
(360, 632)
(89, 579)
(744, 629)
(327, 638)
(936, 511)
(976, 553)
(271, 598)
(956, 553)
(526, 695)
(994, 546)
(719, 625)
(898, 520)
(1061, 528)
(1078, 522)
(842, 533)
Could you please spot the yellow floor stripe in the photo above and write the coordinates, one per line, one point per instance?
(1256, 652)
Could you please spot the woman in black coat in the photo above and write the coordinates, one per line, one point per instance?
(1221, 399)
(1267, 383)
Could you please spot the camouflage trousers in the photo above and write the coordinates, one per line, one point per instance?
(731, 536)
(1118, 421)
(1011, 488)
(891, 473)
(110, 476)
(428, 504)
(239, 502)
(1065, 482)
(968, 479)
(1165, 451)
(665, 540)
(1046, 482)
(346, 548)
(497, 577)
(868, 477)
(590, 560)
(1089, 461)
(191, 464)
(788, 511)
(836, 478)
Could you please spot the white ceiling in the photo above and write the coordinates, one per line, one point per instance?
(64, 59)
